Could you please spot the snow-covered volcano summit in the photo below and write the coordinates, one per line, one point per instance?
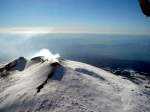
(40, 85)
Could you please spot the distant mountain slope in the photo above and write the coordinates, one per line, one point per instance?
(67, 86)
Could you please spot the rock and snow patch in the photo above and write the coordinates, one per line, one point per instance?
(47, 55)
(68, 86)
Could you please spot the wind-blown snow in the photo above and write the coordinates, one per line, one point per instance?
(47, 54)
(81, 88)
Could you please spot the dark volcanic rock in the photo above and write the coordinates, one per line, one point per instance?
(18, 64)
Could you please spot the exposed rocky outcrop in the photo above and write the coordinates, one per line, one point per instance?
(18, 64)
(42, 85)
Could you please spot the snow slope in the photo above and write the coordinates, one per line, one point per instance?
(67, 86)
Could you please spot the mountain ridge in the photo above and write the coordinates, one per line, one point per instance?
(69, 86)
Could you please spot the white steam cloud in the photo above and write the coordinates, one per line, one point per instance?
(47, 54)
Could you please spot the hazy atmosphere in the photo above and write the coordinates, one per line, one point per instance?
(74, 55)
(74, 16)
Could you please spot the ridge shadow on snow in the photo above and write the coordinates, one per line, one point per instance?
(56, 70)
(56, 73)
(42, 85)
(90, 73)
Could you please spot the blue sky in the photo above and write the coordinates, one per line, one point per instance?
(83, 16)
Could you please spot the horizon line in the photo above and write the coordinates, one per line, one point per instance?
(65, 30)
